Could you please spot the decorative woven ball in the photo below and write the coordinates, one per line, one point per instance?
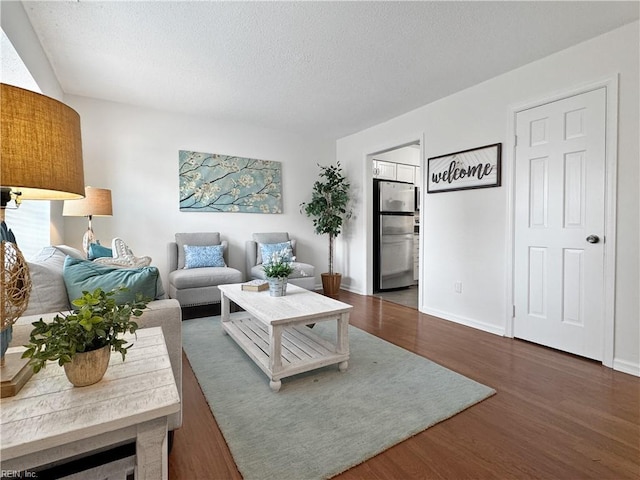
(16, 284)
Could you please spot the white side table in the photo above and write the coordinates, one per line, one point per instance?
(50, 420)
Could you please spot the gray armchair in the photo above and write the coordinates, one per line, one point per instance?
(192, 278)
(303, 274)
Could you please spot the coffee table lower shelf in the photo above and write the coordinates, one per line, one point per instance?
(300, 349)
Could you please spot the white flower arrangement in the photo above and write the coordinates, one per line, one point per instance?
(279, 265)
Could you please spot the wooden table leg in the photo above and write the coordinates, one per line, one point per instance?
(225, 313)
(151, 450)
(275, 355)
(275, 385)
(343, 339)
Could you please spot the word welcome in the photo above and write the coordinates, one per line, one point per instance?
(454, 173)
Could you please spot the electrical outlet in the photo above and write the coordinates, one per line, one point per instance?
(458, 287)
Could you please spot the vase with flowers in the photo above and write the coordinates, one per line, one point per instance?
(277, 269)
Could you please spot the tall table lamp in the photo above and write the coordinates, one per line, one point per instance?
(97, 202)
(41, 159)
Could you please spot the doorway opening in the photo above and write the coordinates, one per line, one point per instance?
(395, 266)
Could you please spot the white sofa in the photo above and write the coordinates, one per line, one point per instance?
(49, 297)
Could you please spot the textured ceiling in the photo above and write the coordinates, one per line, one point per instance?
(325, 68)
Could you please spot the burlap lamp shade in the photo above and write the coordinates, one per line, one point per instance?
(41, 146)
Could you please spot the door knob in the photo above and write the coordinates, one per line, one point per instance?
(593, 239)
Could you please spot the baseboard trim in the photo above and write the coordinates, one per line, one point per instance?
(350, 289)
(626, 367)
(619, 365)
(468, 322)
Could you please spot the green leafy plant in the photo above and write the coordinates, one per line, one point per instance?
(329, 204)
(96, 321)
(278, 265)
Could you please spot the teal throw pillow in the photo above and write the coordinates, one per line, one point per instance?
(200, 256)
(268, 249)
(84, 275)
(98, 251)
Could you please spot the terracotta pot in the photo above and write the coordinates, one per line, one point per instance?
(331, 284)
(87, 368)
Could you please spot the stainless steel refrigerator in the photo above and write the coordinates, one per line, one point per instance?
(394, 207)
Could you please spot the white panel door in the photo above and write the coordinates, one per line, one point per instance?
(559, 224)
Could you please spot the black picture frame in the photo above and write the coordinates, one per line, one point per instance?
(479, 167)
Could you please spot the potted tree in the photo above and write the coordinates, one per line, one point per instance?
(82, 340)
(329, 208)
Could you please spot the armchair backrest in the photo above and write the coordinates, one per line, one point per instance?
(175, 250)
(271, 237)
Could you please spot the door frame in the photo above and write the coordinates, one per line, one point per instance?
(610, 84)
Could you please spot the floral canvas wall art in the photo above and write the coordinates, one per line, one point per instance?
(211, 182)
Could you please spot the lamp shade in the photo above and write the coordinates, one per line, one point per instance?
(97, 202)
(41, 146)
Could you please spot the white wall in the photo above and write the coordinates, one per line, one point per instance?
(134, 152)
(18, 29)
(464, 234)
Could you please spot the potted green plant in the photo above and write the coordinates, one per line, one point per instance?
(329, 208)
(82, 340)
(277, 269)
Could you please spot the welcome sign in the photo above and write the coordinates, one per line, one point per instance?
(473, 168)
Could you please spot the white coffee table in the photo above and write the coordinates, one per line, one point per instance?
(273, 331)
(50, 420)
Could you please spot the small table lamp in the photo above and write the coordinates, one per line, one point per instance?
(41, 159)
(97, 202)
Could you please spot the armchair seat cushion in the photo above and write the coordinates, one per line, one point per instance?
(204, 277)
(300, 270)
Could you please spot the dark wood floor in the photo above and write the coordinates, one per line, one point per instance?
(555, 416)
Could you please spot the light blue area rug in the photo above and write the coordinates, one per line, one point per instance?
(324, 422)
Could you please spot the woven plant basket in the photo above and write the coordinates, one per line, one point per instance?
(16, 284)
